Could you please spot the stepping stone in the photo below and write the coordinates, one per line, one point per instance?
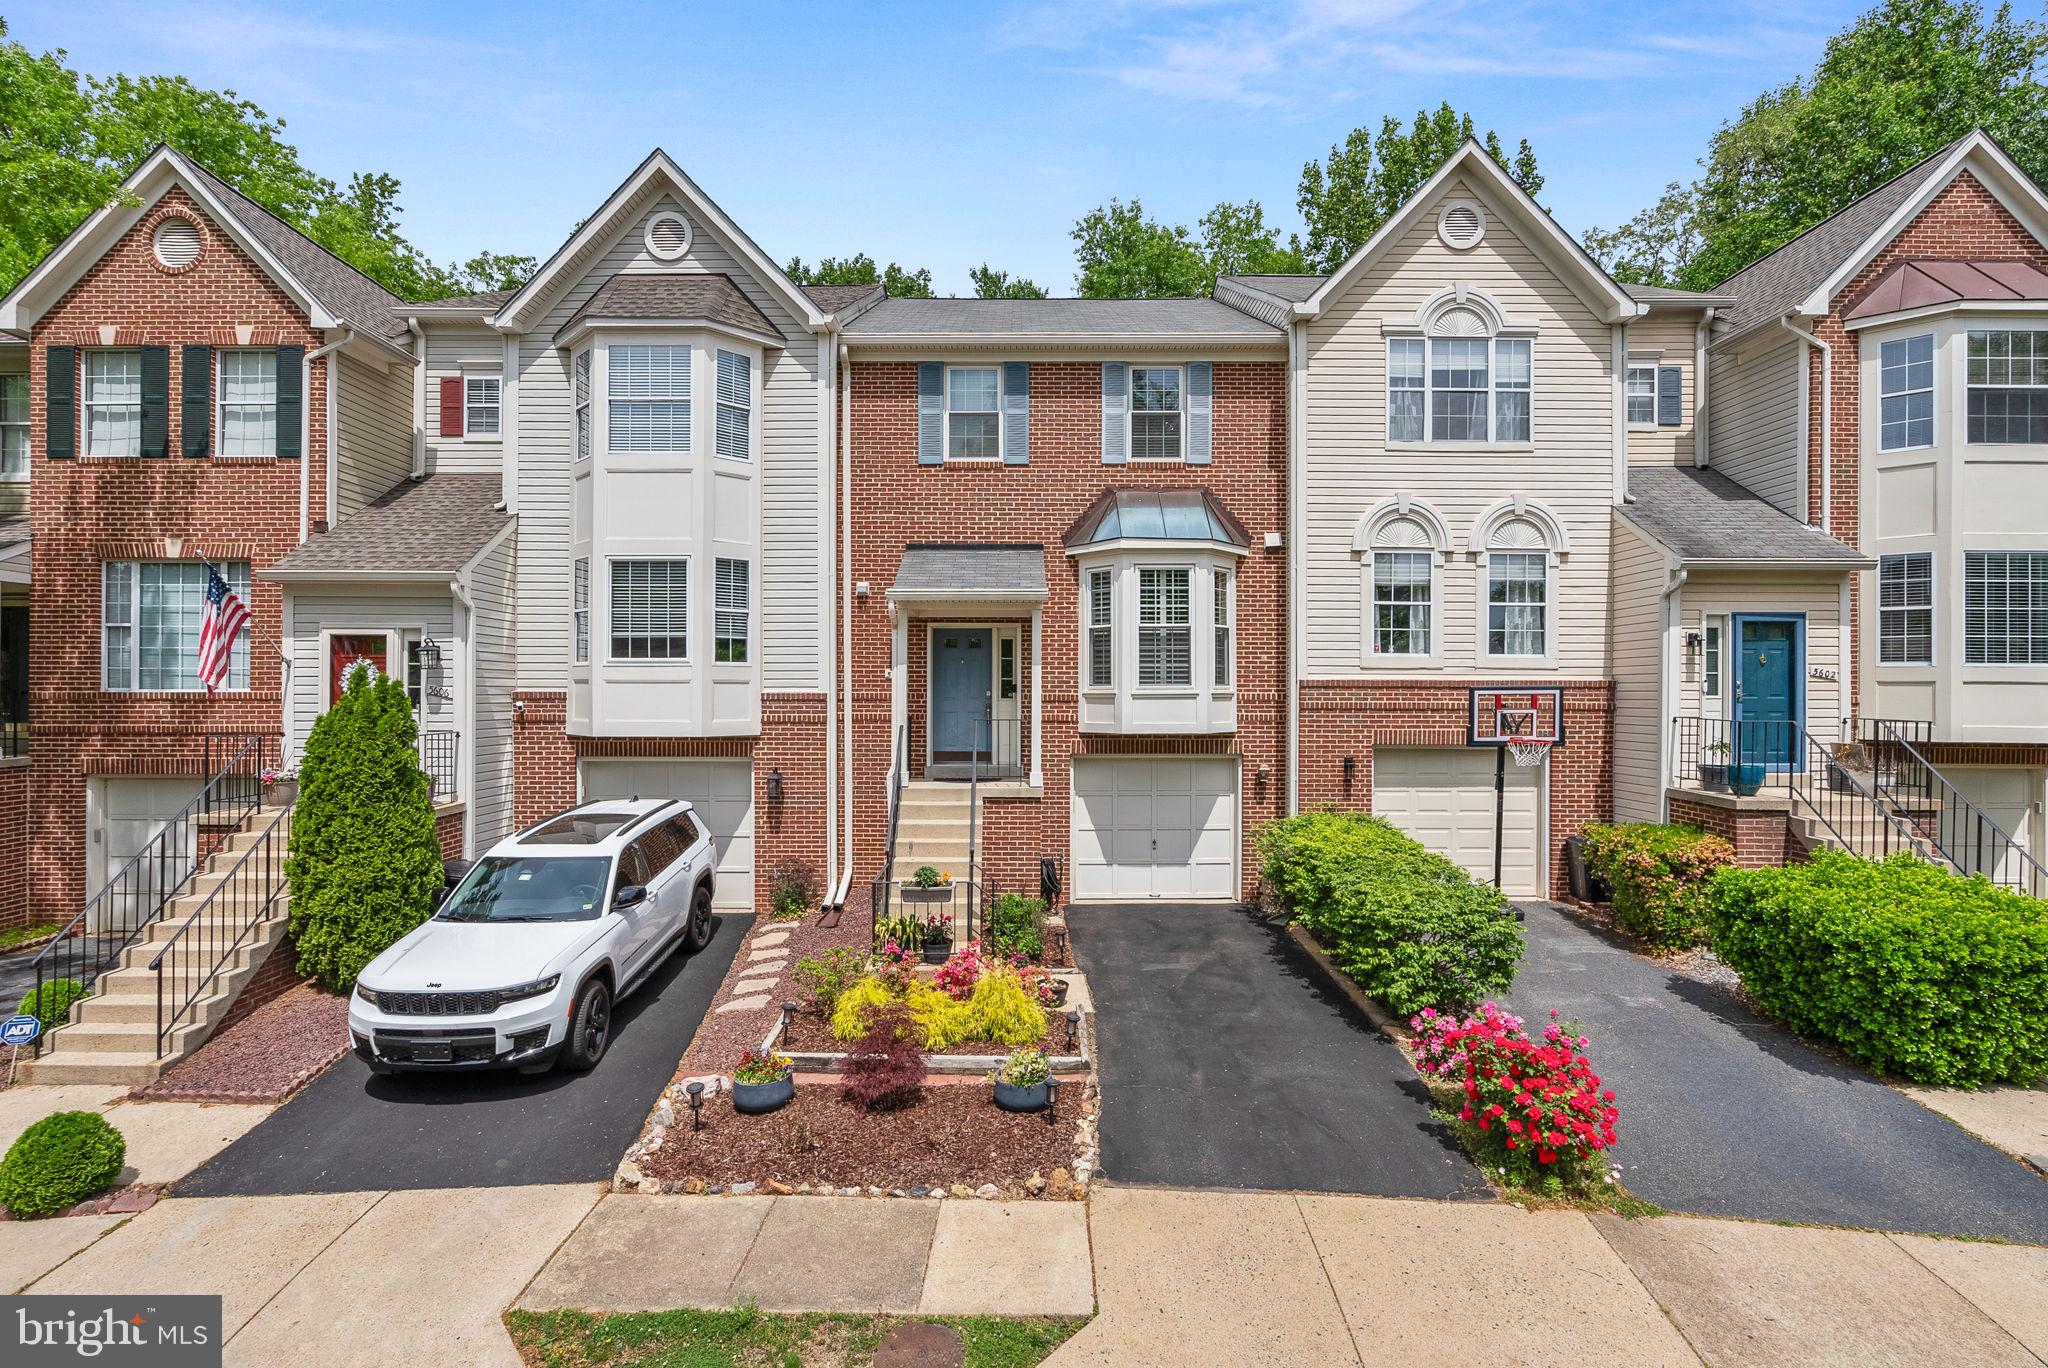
(744, 1004)
(920, 1344)
(771, 938)
(773, 952)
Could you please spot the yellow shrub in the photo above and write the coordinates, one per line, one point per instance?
(1005, 1012)
(856, 1005)
(943, 1020)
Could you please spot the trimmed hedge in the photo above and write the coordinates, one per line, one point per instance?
(51, 1004)
(59, 1162)
(1411, 928)
(1659, 875)
(1910, 969)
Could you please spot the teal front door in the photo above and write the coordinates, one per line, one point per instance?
(1769, 691)
(960, 691)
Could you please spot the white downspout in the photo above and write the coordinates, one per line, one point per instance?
(1297, 548)
(1618, 403)
(1667, 688)
(828, 423)
(419, 398)
(1827, 413)
(1700, 336)
(306, 434)
(466, 751)
(845, 383)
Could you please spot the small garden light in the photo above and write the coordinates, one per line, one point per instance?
(788, 1013)
(1074, 1029)
(696, 1092)
(1052, 1097)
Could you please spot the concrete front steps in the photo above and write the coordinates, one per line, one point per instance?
(933, 828)
(111, 1037)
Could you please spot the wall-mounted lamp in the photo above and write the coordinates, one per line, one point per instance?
(1350, 768)
(1693, 643)
(861, 589)
(775, 786)
(430, 654)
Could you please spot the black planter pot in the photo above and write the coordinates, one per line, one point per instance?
(1059, 992)
(755, 1098)
(937, 951)
(1713, 778)
(1023, 1097)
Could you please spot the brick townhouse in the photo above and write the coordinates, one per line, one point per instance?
(1141, 574)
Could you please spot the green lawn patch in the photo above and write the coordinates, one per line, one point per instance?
(750, 1338)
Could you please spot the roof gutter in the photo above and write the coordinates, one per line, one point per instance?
(1827, 411)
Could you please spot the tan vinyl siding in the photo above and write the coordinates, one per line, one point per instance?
(452, 350)
(310, 611)
(789, 593)
(1756, 421)
(375, 438)
(1570, 472)
(1818, 595)
(1638, 626)
(1668, 338)
(491, 584)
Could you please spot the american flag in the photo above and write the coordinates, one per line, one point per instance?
(225, 617)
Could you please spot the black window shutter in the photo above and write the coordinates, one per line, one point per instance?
(60, 403)
(196, 414)
(156, 401)
(291, 398)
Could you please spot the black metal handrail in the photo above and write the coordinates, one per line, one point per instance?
(192, 957)
(441, 757)
(1967, 836)
(142, 889)
(885, 882)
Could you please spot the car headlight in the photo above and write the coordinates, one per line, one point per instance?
(367, 993)
(527, 990)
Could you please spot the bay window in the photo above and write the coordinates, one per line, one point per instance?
(2008, 387)
(2005, 607)
(649, 389)
(150, 612)
(732, 612)
(1219, 583)
(579, 610)
(580, 386)
(735, 406)
(1906, 399)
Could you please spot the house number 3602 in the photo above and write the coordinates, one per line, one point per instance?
(1821, 672)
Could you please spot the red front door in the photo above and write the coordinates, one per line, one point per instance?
(344, 650)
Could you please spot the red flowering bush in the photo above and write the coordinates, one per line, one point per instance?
(961, 971)
(1533, 1110)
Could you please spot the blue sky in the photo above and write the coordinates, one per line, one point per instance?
(943, 135)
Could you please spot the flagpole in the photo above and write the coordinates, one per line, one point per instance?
(254, 630)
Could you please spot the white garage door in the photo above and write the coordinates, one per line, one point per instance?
(129, 812)
(1443, 797)
(2006, 796)
(722, 792)
(1146, 828)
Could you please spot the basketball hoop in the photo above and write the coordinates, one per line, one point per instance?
(1528, 751)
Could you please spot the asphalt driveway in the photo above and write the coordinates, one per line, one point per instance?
(1728, 1115)
(351, 1131)
(1226, 1063)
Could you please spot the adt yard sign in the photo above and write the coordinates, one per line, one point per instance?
(20, 1030)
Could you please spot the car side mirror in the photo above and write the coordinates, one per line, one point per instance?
(440, 896)
(631, 895)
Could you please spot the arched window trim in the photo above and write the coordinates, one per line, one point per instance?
(1500, 323)
(1366, 539)
(1528, 510)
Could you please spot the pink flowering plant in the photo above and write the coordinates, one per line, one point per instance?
(961, 971)
(1530, 1110)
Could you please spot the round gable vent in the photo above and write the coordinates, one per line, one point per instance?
(1461, 225)
(176, 243)
(668, 236)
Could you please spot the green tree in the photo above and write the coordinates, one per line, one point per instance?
(48, 179)
(364, 859)
(1236, 240)
(989, 283)
(1345, 198)
(861, 270)
(487, 271)
(1119, 253)
(1902, 82)
(1657, 246)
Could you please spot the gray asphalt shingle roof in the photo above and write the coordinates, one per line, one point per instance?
(1768, 288)
(1702, 515)
(435, 525)
(711, 296)
(1157, 515)
(13, 532)
(1664, 294)
(1290, 287)
(1049, 317)
(489, 299)
(833, 298)
(967, 570)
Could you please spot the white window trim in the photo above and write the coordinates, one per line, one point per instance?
(1131, 412)
(583, 439)
(220, 406)
(752, 407)
(1933, 611)
(579, 611)
(2005, 326)
(1090, 627)
(1224, 577)
(134, 625)
(486, 373)
(1933, 391)
(690, 588)
(1992, 665)
(1484, 579)
(1641, 364)
(1428, 391)
(746, 612)
(946, 435)
(86, 405)
(1370, 623)
(1196, 655)
(19, 476)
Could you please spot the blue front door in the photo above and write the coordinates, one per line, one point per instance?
(960, 688)
(1768, 691)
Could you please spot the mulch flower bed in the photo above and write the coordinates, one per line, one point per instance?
(724, 1036)
(265, 1057)
(810, 1032)
(955, 1136)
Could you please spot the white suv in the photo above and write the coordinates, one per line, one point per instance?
(522, 963)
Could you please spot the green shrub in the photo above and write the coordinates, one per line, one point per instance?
(365, 861)
(822, 978)
(1659, 876)
(59, 1162)
(1005, 1011)
(1910, 969)
(793, 890)
(941, 1019)
(852, 1014)
(1413, 929)
(51, 1004)
(1015, 925)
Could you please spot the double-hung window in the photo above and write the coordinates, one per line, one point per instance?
(974, 424)
(579, 610)
(650, 610)
(735, 406)
(2005, 607)
(1156, 413)
(1906, 401)
(1101, 618)
(481, 398)
(2008, 387)
(1517, 603)
(113, 403)
(1511, 386)
(732, 613)
(649, 388)
(150, 612)
(248, 403)
(1220, 594)
(1401, 602)
(1642, 395)
(581, 387)
(13, 425)
(1165, 648)
(1459, 389)
(1905, 609)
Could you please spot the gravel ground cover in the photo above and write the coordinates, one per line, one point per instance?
(265, 1057)
(724, 1036)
